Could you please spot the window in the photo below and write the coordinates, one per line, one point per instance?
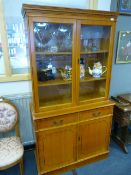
(17, 46)
(13, 53)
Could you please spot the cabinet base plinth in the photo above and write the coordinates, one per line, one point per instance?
(76, 165)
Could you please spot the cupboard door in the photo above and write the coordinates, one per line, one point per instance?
(53, 51)
(95, 55)
(94, 137)
(56, 147)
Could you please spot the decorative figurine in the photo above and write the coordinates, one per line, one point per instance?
(82, 69)
(97, 71)
(66, 73)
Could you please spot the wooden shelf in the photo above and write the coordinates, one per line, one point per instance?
(89, 79)
(94, 52)
(69, 53)
(64, 82)
(53, 53)
(54, 83)
(56, 101)
(91, 96)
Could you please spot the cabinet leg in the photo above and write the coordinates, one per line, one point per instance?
(74, 172)
(115, 130)
(124, 133)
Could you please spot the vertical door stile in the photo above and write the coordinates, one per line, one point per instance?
(78, 60)
(33, 65)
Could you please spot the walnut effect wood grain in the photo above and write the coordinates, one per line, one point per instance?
(76, 132)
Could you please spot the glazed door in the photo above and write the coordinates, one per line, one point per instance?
(57, 147)
(94, 137)
(53, 61)
(95, 55)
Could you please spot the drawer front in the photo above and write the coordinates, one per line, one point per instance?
(95, 113)
(56, 121)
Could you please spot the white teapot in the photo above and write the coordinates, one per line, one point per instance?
(97, 70)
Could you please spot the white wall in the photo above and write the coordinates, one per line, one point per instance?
(24, 86)
(104, 5)
(61, 3)
(10, 88)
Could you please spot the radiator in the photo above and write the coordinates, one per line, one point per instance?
(22, 102)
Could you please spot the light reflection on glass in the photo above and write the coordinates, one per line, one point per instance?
(1, 59)
(53, 37)
(17, 46)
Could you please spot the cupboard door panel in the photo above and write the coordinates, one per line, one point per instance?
(56, 147)
(93, 70)
(94, 136)
(54, 70)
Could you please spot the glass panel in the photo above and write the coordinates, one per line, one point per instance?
(92, 90)
(17, 46)
(17, 41)
(2, 70)
(93, 61)
(53, 46)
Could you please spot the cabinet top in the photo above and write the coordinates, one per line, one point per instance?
(28, 10)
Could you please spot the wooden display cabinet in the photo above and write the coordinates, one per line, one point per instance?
(71, 112)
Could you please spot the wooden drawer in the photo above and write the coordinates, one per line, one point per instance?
(56, 121)
(95, 113)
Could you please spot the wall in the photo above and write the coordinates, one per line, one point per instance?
(121, 73)
(104, 5)
(61, 3)
(10, 88)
